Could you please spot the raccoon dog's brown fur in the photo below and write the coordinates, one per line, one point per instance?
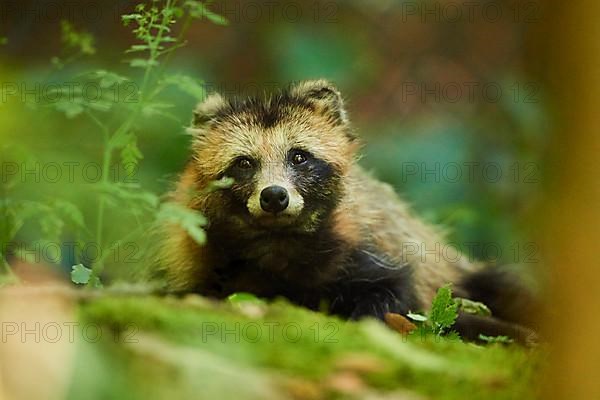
(302, 219)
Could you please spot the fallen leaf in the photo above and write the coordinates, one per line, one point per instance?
(399, 323)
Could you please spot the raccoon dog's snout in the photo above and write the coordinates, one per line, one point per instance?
(274, 199)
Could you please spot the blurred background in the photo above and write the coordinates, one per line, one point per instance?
(471, 110)
(439, 91)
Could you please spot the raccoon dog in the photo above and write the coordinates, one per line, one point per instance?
(304, 221)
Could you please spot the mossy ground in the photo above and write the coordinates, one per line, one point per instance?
(154, 348)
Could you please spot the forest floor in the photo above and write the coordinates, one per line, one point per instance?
(136, 346)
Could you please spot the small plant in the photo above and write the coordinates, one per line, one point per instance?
(159, 27)
(153, 26)
(443, 313)
(444, 310)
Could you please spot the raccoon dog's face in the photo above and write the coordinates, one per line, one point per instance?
(287, 155)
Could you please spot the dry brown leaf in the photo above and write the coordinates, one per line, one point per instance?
(399, 323)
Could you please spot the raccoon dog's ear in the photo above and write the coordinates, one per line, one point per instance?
(325, 96)
(206, 110)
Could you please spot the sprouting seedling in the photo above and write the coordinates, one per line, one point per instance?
(442, 315)
(444, 310)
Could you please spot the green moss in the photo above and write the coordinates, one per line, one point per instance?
(165, 347)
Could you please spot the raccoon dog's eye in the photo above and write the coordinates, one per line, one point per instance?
(298, 157)
(244, 163)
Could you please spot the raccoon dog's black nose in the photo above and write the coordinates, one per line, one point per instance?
(274, 199)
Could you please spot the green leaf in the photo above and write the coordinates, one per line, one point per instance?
(186, 84)
(137, 47)
(220, 184)
(69, 210)
(71, 109)
(199, 10)
(472, 307)
(80, 274)
(190, 220)
(119, 139)
(129, 194)
(142, 63)
(51, 225)
(80, 40)
(98, 104)
(416, 317)
(153, 109)
(73, 102)
(244, 297)
(131, 154)
(107, 79)
(444, 310)
(95, 282)
(127, 18)
(495, 339)
(216, 18)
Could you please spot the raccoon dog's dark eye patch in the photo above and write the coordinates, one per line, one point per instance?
(242, 168)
